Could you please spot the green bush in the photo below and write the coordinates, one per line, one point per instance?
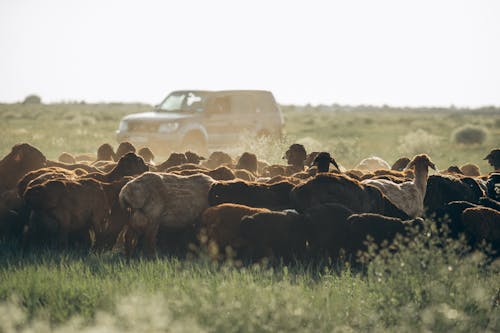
(470, 134)
(32, 99)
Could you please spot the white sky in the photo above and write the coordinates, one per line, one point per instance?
(398, 52)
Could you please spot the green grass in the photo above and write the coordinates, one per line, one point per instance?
(429, 286)
(425, 286)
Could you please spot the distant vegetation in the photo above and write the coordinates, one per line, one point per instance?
(349, 132)
(470, 134)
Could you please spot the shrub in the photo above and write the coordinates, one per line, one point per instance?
(32, 99)
(470, 134)
(419, 141)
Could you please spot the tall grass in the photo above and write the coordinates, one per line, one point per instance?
(431, 284)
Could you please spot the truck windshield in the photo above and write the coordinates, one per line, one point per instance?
(182, 102)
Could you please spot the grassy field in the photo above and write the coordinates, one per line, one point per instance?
(431, 285)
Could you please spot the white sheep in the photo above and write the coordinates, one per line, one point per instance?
(408, 196)
(169, 200)
(373, 163)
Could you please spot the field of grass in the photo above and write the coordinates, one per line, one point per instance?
(431, 285)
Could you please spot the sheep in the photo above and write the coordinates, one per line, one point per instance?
(408, 196)
(221, 225)
(471, 170)
(65, 208)
(490, 203)
(331, 188)
(400, 164)
(193, 157)
(493, 186)
(147, 155)
(323, 160)
(277, 179)
(218, 158)
(129, 165)
(275, 196)
(380, 228)
(86, 167)
(175, 159)
(261, 165)
(105, 152)
(444, 189)
(328, 230)
(22, 159)
(123, 148)
(187, 166)
(244, 175)
(453, 212)
(310, 158)
(274, 170)
(275, 234)
(66, 158)
(493, 159)
(220, 173)
(481, 223)
(155, 199)
(247, 161)
(295, 157)
(85, 158)
(372, 163)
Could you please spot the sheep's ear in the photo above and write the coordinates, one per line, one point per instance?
(334, 163)
(410, 165)
(432, 165)
(315, 162)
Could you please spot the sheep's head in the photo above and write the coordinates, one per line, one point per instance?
(400, 164)
(131, 164)
(296, 155)
(66, 158)
(193, 157)
(247, 161)
(123, 148)
(494, 158)
(146, 154)
(218, 158)
(421, 161)
(322, 161)
(105, 153)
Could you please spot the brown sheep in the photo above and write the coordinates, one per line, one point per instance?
(86, 167)
(328, 229)
(471, 170)
(123, 148)
(323, 160)
(67, 208)
(221, 225)
(481, 223)
(274, 196)
(105, 152)
(218, 158)
(296, 156)
(493, 159)
(147, 155)
(278, 179)
(66, 158)
(247, 161)
(129, 165)
(193, 157)
(85, 158)
(400, 164)
(275, 234)
(310, 158)
(187, 166)
(22, 159)
(162, 199)
(244, 175)
(331, 188)
(380, 228)
(175, 159)
(220, 173)
(274, 170)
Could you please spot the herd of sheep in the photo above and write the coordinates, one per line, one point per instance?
(309, 207)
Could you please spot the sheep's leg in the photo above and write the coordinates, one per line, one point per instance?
(130, 242)
(150, 236)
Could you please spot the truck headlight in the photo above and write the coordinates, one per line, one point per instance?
(123, 127)
(168, 127)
